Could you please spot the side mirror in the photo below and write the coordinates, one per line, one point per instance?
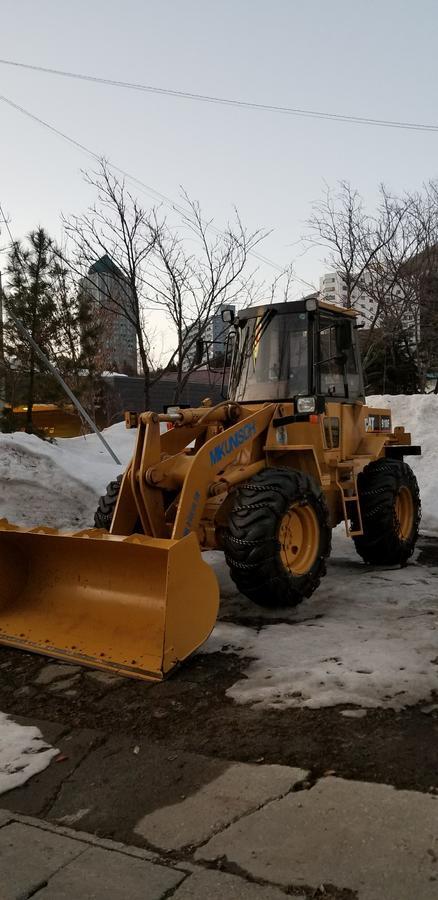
(227, 316)
(344, 338)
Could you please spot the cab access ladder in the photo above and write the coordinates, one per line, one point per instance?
(346, 482)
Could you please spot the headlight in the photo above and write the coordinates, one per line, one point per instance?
(306, 404)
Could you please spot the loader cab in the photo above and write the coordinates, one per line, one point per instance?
(305, 348)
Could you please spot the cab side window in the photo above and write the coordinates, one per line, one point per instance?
(330, 366)
(336, 367)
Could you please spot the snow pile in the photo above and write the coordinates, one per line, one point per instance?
(58, 484)
(419, 415)
(367, 637)
(23, 753)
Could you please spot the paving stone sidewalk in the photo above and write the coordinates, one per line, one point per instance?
(44, 862)
(244, 831)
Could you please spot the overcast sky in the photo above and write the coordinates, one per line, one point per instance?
(374, 59)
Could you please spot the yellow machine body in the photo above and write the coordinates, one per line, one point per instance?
(139, 599)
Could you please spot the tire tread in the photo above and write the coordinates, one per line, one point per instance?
(250, 539)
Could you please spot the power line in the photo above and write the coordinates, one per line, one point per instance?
(149, 190)
(226, 101)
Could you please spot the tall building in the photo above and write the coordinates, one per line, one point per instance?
(108, 292)
(214, 336)
(216, 331)
(333, 289)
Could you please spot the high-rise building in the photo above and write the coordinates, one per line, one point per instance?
(216, 331)
(214, 337)
(333, 289)
(109, 294)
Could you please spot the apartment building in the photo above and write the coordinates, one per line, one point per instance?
(214, 337)
(107, 290)
(333, 289)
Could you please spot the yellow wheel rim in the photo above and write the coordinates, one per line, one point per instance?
(299, 539)
(404, 511)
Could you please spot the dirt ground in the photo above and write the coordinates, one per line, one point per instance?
(191, 712)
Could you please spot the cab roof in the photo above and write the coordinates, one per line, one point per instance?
(296, 306)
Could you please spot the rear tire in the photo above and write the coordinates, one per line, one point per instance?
(391, 512)
(277, 537)
(107, 504)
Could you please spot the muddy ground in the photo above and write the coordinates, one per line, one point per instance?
(191, 712)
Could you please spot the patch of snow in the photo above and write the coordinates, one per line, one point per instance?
(23, 753)
(58, 484)
(368, 637)
(419, 415)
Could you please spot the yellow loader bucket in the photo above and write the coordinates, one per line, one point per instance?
(133, 605)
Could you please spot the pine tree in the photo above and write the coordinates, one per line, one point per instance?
(30, 298)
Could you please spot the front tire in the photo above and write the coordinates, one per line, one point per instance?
(277, 537)
(391, 512)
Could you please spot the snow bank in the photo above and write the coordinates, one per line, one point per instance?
(23, 753)
(58, 484)
(367, 637)
(419, 415)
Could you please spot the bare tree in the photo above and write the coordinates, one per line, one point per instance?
(158, 270)
(402, 282)
(383, 260)
(118, 227)
(353, 239)
(191, 287)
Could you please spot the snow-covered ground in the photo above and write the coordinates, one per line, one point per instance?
(23, 753)
(419, 415)
(367, 637)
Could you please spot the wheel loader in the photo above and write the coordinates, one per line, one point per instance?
(264, 476)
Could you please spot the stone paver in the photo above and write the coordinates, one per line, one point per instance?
(54, 671)
(209, 885)
(233, 793)
(108, 875)
(369, 838)
(29, 856)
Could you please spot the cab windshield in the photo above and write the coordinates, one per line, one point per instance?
(271, 358)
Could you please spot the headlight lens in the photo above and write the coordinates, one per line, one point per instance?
(306, 404)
